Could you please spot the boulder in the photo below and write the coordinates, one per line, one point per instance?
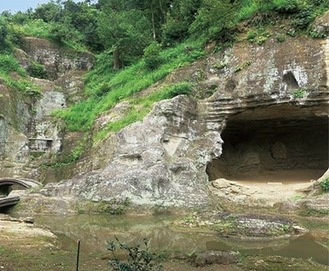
(215, 257)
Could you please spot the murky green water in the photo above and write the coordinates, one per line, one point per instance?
(95, 231)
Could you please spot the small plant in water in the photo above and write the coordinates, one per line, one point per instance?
(138, 259)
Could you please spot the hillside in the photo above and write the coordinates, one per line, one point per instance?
(148, 122)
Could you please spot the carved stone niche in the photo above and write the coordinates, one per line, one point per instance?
(40, 144)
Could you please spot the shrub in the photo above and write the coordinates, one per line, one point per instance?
(212, 17)
(37, 70)
(173, 31)
(35, 28)
(139, 258)
(152, 56)
(8, 63)
(280, 38)
(302, 19)
(325, 185)
(287, 7)
(299, 93)
(3, 34)
(114, 206)
(258, 36)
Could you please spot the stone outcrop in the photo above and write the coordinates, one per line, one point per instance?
(56, 60)
(165, 159)
(27, 127)
(215, 257)
(256, 110)
(320, 26)
(143, 166)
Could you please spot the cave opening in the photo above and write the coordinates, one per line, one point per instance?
(277, 144)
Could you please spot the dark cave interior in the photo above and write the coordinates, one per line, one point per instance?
(277, 144)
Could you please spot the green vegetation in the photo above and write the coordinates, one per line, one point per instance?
(242, 66)
(258, 36)
(325, 185)
(299, 93)
(71, 157)
(14, 76)
(34, 28)
(39, 257)
(310, 212)
(138, 43)
(37, 70)
(139, 258)
(104, 92)
(110, 207)
(280, 38)
(152, 55)
(301, 12)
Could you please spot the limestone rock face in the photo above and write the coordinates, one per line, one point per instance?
(27, 127)
(168, 157)
(256, 108)
(56, 60)
(154, 161)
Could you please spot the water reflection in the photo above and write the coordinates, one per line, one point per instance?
(305, 247)
(95, 231)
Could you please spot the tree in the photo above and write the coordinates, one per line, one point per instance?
(3, 33)
(157, 11)
(125, 32)
(49, 12)
(84, 17)
(179, 17)
(212, 17)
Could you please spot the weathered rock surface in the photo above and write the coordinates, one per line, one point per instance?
(215, 257)
(260, 106)
(55, 59)
(164, 158)
(142, 152)
(29, 134)
(257, 226)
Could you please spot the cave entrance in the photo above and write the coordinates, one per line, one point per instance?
(276, 144)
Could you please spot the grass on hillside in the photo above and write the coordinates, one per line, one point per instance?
(9, 66)
(141, 106)
(105, 88)
(297, 8)
(33, 28)
(52, 31)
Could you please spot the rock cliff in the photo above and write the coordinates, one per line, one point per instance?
(29, 135)
(267, 112)
(258, 112)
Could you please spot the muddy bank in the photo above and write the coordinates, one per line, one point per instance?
(50, 243)
(22, 231)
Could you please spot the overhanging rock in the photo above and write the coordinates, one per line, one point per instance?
(280, 99)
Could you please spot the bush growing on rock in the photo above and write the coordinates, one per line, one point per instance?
(325, 185)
